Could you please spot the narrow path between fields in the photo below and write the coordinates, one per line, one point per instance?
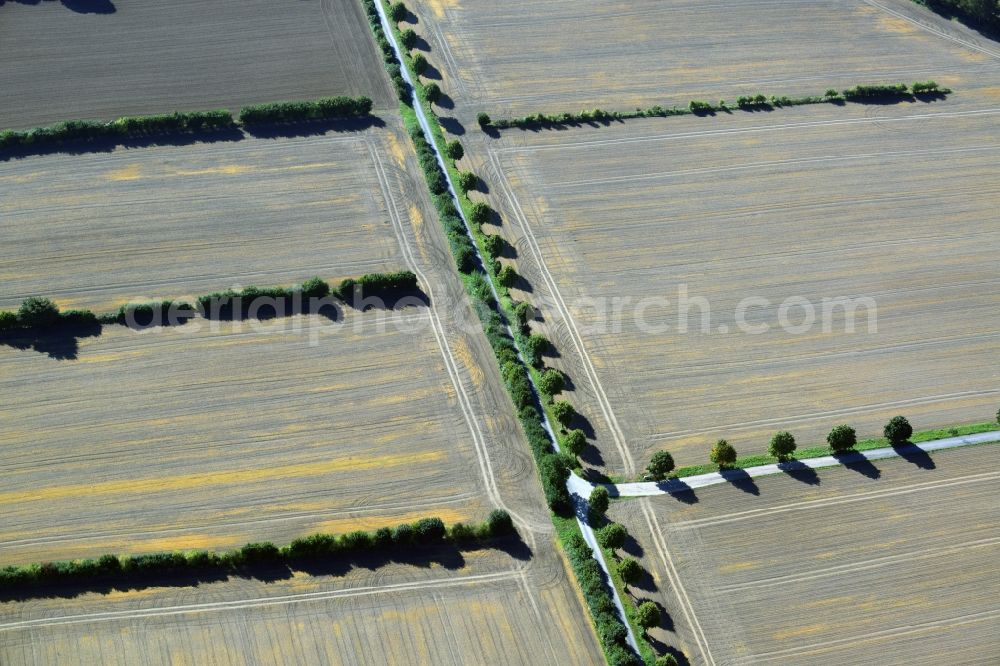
(588, 533)
(583, 488)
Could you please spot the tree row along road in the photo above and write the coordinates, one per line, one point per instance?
(588, 533)
(583, 488)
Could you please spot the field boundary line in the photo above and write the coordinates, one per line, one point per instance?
(931, 29)
(673, 576)
(862, 565)
(485, 465)
(256, 602)
(602, 398)
(746, 130)
(898, 631)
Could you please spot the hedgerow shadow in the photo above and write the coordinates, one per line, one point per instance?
(59, 343)
(108, 145)
(314, 127)
(77, 6)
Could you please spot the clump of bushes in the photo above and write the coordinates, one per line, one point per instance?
(454, 150)
(397, 11)
(574, 442)
(480, 213)
(880, 91)
(120, 128)
(612, 632)
(409, 38)
(782, 446)
(419, 64)
(39, 314)
(373, 284)
(898, 430)
(321, 109)
(660, 465)
(842, 438)
(424, 532)
(723, 454)
(700, 108)
(563, 411)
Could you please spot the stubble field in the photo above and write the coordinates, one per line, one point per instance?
(489, 606)
(103, 59)
(888, 202)
(842, 567)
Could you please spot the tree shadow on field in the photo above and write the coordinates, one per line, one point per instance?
(800, 472)
(451, 125)
(679, 490)
(738, 478)
(431, 72)
(420, 44)
(107, 145)
(632, 547)
(313, 127)
(77, 6)
(445, 102)
(914, 454)
(857, 462)
(59, 343)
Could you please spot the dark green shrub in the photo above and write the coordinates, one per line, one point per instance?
(864, 92)
(553, 472)
(382, 538)
(8, 320)
(259, 553)
(666, 660)
(612, 536)
(630, 571)
(315, 288)
(921, 87)
(429, 530)
(782, 445)
(481, 213)
(321, 109)
(467, 181)
(494, 244)
(484, 120)
(402, 535)
(551, 382)
(507, 276)
(723, 454)
(419, 64)
(660, 465)
(397, 11)
(536, 346)
(520, 391)
(499, 523)
(409, 38)
(355, 541)
(599, 500)
(37, 312)
(842, 438)
(898, 430)
(574, 442)
(647, 615)
(563, 411)
(377, 284)
(700, 108)
(454, 150)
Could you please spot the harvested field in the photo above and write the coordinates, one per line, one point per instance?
(886, 202)
(459, 608)
(99, 230)
(517, 58)
(891, 570)
(143, 57)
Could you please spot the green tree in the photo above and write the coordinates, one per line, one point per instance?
(537, 345)
(563, 412)
(661, 464)
(630, 571)
(507, 276)
(432, 93)
(842, 438)
(454, 150)
(574, 442)
(480, 213)
(723, 454)
(523, 312)
(598, 500)
(467, 180)
(409, 38)
(494, 245)
(37, 312)
(551, 382)
(612, 536)
(419, 63)
(666, 660)
(499, 523)
(484, 120)
(782, 445)
(898, 430)
(315, 288)
(647, 615)
(397, 11)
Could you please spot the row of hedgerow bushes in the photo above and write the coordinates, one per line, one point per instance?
(553, 468)
(384, 541)
(860, 93)
(195, 122)
(392, 65)
(41, 313)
